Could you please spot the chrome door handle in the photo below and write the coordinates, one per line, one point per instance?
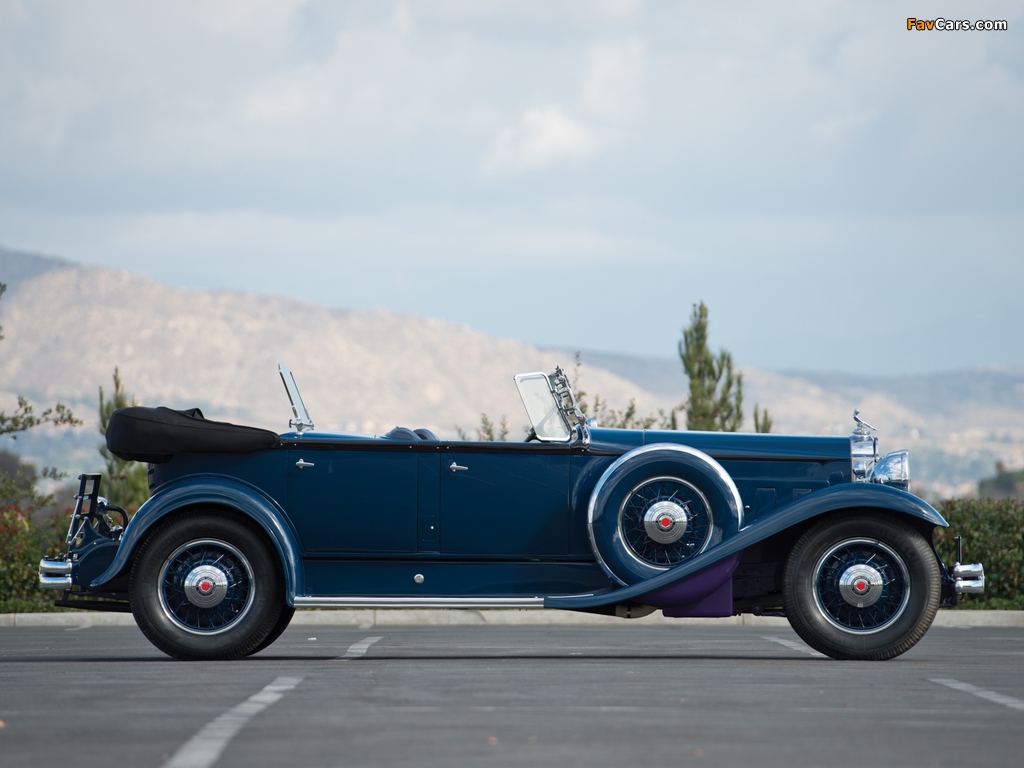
(303, 464)
(456, 468)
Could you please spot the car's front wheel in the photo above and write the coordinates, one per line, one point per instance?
(861, 586)
(207, 585)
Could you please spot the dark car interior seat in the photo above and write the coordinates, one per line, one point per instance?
(404, 433)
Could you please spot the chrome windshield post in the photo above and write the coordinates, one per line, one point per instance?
(300, 421)
(552, 408)
(566, 398)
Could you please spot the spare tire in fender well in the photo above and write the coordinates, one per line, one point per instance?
(687, 469)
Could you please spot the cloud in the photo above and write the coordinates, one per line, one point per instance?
(613, 76)
(565, 132)
(839, 126)
(545, 135)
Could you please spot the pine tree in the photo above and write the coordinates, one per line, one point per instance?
(126, 483)
(715, 402)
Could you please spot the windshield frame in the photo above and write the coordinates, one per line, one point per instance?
(563, 404)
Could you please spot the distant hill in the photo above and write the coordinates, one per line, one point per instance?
(67, 326)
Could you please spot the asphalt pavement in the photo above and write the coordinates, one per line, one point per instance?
(528, 695)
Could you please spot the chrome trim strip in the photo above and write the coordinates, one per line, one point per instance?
(310, 601)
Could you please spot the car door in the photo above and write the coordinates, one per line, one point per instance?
(353, 499)
(504, 499)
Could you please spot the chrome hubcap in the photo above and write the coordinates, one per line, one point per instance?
(861, 585)
(665, 522)
(206, 586)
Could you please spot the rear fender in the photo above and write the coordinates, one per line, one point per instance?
(213, 491)
(839, 497)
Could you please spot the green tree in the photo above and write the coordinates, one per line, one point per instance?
(605, 415)
(487, 432)
(715, 401)
(126, 483)
(1005, 484)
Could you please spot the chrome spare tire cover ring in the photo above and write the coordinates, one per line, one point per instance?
(206, 586)
(861, 586)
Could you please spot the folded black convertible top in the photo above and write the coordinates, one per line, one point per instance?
(154, 435)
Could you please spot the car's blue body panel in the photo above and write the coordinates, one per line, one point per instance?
(445, 578)
(366, 515)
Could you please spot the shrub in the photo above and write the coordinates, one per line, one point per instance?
(993, 535)
(22, 543)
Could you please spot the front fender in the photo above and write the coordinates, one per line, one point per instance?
(213, 490)
(832, 499)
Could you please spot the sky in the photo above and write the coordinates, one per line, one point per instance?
(842, 193)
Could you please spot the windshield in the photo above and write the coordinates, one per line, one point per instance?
(542, 407)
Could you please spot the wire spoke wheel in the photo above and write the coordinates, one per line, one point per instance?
(862, 585)
(665, 521)
(206, 586)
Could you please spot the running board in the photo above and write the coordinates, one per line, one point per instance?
(419, 602)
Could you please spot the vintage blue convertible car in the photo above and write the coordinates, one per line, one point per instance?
(244, 526)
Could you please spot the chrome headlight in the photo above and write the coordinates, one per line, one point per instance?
(893, 470)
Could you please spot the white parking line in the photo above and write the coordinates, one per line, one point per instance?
(203, 749)
(793, 645)
(981, 693)
(359, 649)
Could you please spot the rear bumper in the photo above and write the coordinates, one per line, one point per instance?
(55, 574)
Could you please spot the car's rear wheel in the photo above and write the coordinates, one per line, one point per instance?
(207, 585)
(861, 586)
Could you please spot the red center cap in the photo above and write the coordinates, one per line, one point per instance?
(205, 586)
(665, 522)
(860, 585)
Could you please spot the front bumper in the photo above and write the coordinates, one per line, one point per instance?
(968, 579)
